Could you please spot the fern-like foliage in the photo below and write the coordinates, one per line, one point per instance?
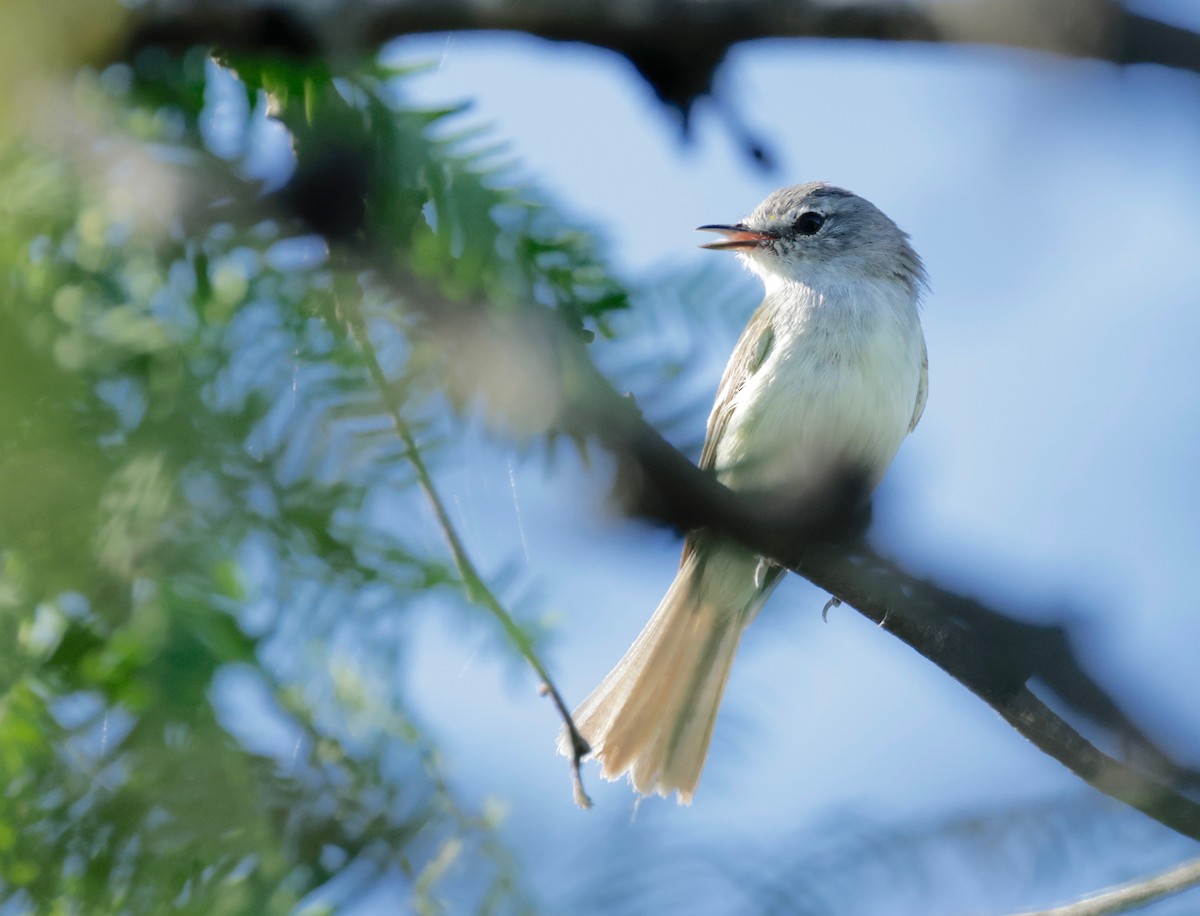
(192, 445)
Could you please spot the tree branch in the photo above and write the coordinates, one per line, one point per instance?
(676, 45)
(1134, 895)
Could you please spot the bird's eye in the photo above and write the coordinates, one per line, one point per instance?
(809, 223)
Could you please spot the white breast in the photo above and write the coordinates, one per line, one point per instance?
(836, 391)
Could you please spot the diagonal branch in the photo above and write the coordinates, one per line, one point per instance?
(1134, 895)
(991, 654)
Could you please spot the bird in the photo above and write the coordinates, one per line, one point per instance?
(829, 376)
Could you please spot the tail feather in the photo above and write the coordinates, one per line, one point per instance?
(652, 717)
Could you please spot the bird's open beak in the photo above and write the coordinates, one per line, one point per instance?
(737, 238)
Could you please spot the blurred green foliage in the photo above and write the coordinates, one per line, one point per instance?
(190, 446)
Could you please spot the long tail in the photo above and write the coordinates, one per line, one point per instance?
(653, 715)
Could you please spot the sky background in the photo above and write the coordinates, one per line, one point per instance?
(1055, 204)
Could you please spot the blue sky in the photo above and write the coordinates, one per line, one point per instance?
(1054, 470)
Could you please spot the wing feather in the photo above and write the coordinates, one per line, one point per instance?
(922, 388)
(751, 351)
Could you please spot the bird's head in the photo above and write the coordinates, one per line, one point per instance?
(815, 234)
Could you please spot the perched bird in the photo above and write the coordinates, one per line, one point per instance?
(828, 378)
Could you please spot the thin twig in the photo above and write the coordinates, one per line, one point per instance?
(477, 589)
(1132, 896)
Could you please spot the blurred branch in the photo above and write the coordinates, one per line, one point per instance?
(676, 45)
(477, 589)
(1132, 896)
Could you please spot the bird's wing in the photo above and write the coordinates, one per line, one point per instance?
(748, 356)
(922, 388)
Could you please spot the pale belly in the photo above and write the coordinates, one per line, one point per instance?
(815, 412)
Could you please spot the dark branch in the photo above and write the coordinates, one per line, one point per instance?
(676, 45)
